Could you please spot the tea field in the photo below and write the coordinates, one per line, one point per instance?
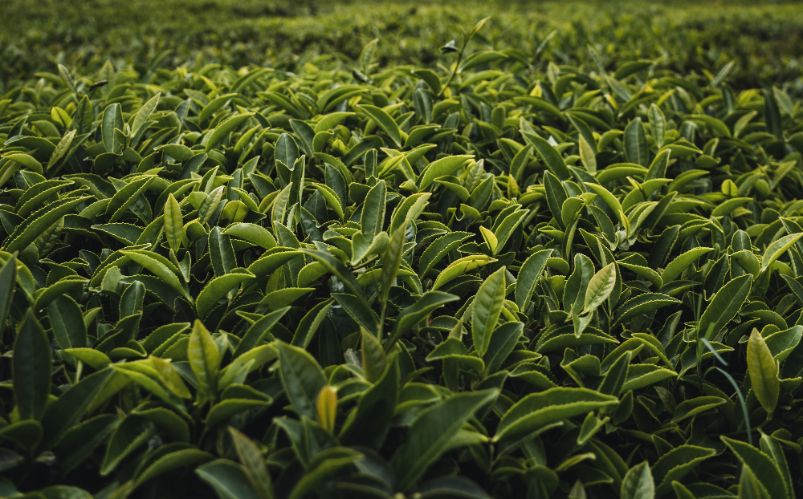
(274, 249)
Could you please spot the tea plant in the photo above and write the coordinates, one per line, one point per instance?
(510, 273)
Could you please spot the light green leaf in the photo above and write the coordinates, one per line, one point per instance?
(763, 372)
(539, 410)
(431, 433)
(173, 223)
(638, 483)
(442, 167)
(460, 267)
(486, 308)
(777, 249)
(204, 357)
(219, 133)
(599, 288)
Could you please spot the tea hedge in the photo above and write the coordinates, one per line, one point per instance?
(563, 264)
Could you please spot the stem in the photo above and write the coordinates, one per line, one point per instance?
(456, 68)
(742, 403)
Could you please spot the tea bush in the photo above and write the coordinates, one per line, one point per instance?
(260, 254)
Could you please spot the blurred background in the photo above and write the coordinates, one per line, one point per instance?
(764, 39)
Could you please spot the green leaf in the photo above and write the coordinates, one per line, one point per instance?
(373, 211)
(677, 463)
(89, 356)
(143, 114)
(763, 372)
(253, 233)
(526, 280)
(724, 305)
(204, 357)
(331, 198)
(182, 458)
(368, 424)
(173, 223)
(431, 433)
(25, 160)
(599, 288)
(31, 369)
(259, 330)
(413, 314)
(358, 310)
(219, 133)
(8, 275)
(636, 143)
(158, 266)
(771, 446)
(325, 464)
(587, 155)
(61, 148)
(286, 151)
(638, 483)
(253, 463)
(697, 405)
(777, 249)
(682, 262)
(228, 479)
(272, 260)
(503, 341)
(385, 122)
(611, 201)
(127, 196)
(132, 433)
(40, 221)
(227, 409)
(442, 167)
(760, 464)
(539, 410)
(111, 128)
(486, 308)
(67, 323)
(221, 252)
(302, 378)
(313, 319)
(554, 162)
(460, 267)
(25, 434)
(391, 261)
(217, 288)
(71, 406)
(642, 304)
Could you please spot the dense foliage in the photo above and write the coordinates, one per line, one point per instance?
(536, 259)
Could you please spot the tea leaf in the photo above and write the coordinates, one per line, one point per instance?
(763, 372)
